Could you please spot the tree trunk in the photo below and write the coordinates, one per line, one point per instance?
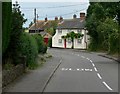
(72, 43)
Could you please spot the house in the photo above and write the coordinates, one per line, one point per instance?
(41, 26)
(76, 25)
(46, 36)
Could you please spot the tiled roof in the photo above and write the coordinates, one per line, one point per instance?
(72, 24)
(41, 24)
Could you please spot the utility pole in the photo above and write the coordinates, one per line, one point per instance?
(35, 18)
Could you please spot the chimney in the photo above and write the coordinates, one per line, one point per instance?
(56, 18)
(74, 16)
(46, 19)
(82, 16)
(61, 19)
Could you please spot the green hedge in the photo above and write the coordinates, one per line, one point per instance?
(28, 48)
(6, 24)
(50, 42)
(42, 48)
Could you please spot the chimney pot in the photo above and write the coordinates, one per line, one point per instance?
(56, 18)
(74, 16)
(82, 16)
(46, 19)
(61, 18)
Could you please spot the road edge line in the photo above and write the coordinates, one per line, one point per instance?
(51, 75)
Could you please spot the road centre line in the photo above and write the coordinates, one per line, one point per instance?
(82, 56)
(95, 68)
(93, 64)
(99, 75)
(91, 61)
(107, 86)
(87, 58)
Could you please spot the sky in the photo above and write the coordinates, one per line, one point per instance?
(50, 9)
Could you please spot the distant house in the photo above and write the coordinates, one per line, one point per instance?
(76, 25)
(40, 26)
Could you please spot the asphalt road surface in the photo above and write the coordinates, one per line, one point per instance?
(81, 71)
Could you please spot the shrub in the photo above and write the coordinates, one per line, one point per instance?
(28, 48)
(42, 48)
(50, 42)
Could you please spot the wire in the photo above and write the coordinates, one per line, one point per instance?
(29, 8)
(63, 14)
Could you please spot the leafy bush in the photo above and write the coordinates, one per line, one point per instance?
(42, 48)
(50, 42)
(28, 48)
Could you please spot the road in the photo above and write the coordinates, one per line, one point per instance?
(82, 71)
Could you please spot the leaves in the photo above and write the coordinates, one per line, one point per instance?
(102, 25)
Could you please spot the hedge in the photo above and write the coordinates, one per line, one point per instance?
(42, 48)
(28, 48)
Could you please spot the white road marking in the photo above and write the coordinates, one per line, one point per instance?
(99, 75)
(91, 61)
(86, 69)
(61, 60)
(82, 69)
(90, 70)
(82, 56)
(87, 58)
(107, 86)
(93, 64)
(78, 55)
(77, 69)
(95, 68)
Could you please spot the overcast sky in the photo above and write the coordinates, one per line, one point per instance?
(50, 9)
(51, 0)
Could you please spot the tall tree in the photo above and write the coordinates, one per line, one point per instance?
(17, 28)
(101, 23)
(6, 24)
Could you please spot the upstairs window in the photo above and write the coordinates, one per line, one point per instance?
(79, 30)
(79, 40)
(59, 40)
(60, 31)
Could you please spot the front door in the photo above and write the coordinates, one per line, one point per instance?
(64, 43)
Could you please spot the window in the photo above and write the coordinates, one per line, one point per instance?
(69, 30)
(69, 40)
(59, 30)
(79, 30)
(59, 40)
(79, 40)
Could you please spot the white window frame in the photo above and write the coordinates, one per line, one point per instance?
(59, 40)
(79, 31)
(60, 31)
(69, 40)
(79, 40)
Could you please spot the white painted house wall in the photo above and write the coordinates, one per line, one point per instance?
(57, 36)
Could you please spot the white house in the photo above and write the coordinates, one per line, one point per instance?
(76, 25)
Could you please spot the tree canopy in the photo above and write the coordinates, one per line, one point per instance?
(102, 22)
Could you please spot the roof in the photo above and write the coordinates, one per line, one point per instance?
(41, 25)
(75, 23)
